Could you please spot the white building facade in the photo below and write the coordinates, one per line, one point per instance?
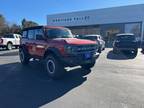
(107, 22)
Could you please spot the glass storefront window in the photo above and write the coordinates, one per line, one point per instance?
(86, 30)
(134, 28)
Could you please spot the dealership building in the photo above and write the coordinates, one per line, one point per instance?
(107, 22)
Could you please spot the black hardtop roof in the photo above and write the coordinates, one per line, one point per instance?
(35, 27)
(125, 34)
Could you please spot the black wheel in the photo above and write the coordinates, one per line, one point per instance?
(99, 50)
(9, 46)
(135, 52)
(53, 67)
(24, 57)
(88, 66)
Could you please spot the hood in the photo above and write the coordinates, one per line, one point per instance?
(75, 41)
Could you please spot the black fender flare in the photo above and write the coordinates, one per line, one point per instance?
(24, 48)
(54, 51)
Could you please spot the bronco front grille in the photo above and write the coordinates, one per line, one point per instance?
(85, 48)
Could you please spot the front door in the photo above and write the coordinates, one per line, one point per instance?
(40, 42)
(31, 42)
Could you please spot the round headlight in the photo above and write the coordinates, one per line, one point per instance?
(68, 49)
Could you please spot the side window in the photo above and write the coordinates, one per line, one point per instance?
(19, 36)
(24, 35)
(39, 34)
(16, 36)
(9, 36)
(31, 34)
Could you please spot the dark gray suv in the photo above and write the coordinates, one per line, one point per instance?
(126, 42)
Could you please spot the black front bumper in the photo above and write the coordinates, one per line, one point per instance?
(76, 60)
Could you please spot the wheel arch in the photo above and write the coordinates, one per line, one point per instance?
(23, 47)
(52, 51)
(9, 42)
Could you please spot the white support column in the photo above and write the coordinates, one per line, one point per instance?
(142, 34)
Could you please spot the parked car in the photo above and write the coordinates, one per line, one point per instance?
(94, 37)
(125, 42)
(10, 40)
(57, 47)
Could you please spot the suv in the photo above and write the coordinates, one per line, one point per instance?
(94, 37)
(125, 42)
(10, 40)
(57, 47)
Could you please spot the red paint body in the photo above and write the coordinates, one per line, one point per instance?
(39, 47)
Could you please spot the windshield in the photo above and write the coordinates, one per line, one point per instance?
(94, 38)
(126, 37)
(59, 33)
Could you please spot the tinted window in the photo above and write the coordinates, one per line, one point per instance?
(82, 36)
(24, 35)
(8, 36)
(126, 37)
(94, 38)
(17, 36)
(31, 34)
(39, 34)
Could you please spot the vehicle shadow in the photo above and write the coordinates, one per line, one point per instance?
(29, 87)
(120, 56)
(9, 53)
(3, 49)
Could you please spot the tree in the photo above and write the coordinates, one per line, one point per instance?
(2, 24)
(15, 28)
(2, 20)
(6, 27)
(23, 23)
(26, 23)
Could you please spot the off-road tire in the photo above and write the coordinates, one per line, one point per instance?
(24, 57)
(54, 68)
(135, 52)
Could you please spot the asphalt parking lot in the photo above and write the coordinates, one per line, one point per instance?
(116, 81)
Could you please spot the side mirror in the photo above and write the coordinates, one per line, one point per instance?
(39, 37)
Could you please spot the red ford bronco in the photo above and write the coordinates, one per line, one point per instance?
(57, 47)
